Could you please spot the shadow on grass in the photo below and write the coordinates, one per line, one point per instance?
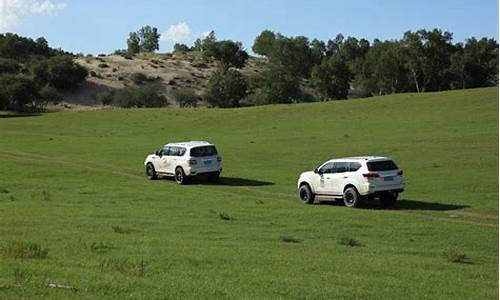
(230, 181)
(19, 115)
(403, 204)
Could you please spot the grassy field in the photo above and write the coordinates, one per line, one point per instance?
(76, 209)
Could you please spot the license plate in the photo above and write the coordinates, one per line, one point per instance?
(389, 178)
(207, 162)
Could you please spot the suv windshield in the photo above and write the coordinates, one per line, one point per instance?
(383, 165)
(203, 151)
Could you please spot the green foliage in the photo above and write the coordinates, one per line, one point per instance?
(180, 48)
(106, 97)
(347, 240)
(138, 78)
(331, 78)
(50, 94)
(227, 53)
(8, 65)
(139, 97)
(280, 85)
(21, 48)
(59, 72)
(185, 97)
(145, 39)
(225, 88)
(18, 92)
(264, 43)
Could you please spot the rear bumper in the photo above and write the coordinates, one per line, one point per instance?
(201, 172)
(368, 189)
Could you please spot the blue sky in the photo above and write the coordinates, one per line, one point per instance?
(92, 26)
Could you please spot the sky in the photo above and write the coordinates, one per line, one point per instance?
(91, 26)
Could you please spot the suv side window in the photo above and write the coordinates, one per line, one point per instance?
(354, 166)
(340, 167)
(326, 168)
(173, 151)
(164, 151)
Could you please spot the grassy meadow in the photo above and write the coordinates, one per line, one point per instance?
(79, 219)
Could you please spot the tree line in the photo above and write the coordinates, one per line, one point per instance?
(299, 70)
(33, 74)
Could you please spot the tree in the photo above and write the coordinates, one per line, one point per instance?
(264, 43)
(17, 92)
(208, 41)
(133, 43)
(149, 39)
(145, 39)
(228, 53)
(332, 78)
(225, 88)
(180, 48)
(280, 85)
(59, 72)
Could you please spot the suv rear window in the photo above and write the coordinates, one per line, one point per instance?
(382, 165)
(203, 151)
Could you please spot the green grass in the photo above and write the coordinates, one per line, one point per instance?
(73, 183)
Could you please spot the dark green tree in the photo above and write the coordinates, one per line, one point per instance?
(264, 43)
(225, 88)
(133, 43)
(332, 78)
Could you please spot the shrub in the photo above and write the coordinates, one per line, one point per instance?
(106, 97)
(60, 72)
(138, 78)
(225, 216)
(289, 239)
(455, 256)
(93, 74)
(348, 241)
(121, 230)
(9, 66)
(225, 88)
(185, 97)
(139, 97)
(103, 65)
(17, 92)
(50, 94)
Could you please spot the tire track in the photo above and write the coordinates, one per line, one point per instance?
(133, 174)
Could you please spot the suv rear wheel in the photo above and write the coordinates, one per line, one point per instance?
(388, 199)
(351, 197)
(305, 194)
(180, 176)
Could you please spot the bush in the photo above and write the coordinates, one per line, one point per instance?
(17, 92)
(138, 78)
(225, 88)
(106, 98)
(50, 94)
(185, 97)
(103, 65)
(9, 66)
(139, 97)
(60, 72)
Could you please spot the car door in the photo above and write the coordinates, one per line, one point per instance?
(337, 177)
(324, 173)
(164, 160)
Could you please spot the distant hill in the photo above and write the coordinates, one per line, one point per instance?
(166, 72)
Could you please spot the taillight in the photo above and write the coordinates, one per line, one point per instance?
(400, 173)
(219, 159)
(371, 175)
(192, 162)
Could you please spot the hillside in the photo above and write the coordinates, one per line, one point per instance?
(167, 72)
(77, 209)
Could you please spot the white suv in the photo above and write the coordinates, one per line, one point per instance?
(183, 160)
(353, 179)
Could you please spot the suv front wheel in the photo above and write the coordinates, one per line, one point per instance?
(305, 194)
(151, 172)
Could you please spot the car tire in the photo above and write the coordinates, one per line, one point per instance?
(180, 176)
(389, 199)
(214, 177)
(151, 172)
(351, 197)
(305, 194)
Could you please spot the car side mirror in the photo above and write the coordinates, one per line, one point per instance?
(157, 152)
(318, 171)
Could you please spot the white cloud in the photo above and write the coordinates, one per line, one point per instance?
(14, 12)
(181, 33)
(46, 7)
